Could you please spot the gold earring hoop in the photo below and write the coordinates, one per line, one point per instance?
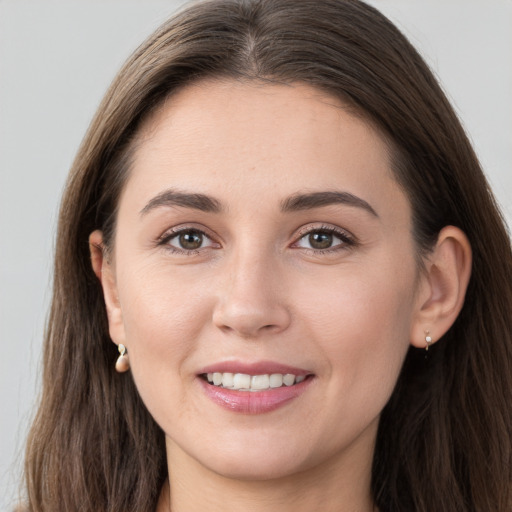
(122, 363)
(428, 340)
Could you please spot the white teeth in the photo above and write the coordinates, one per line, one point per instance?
(288, 379)
(228, 380)
(276, 380)
(260, 382)
(241, 381)
(244, 382)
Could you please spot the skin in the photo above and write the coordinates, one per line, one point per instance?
(257, 290)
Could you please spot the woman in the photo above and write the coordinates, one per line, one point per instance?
(277, 232)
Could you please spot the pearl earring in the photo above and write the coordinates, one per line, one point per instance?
(428, 340)
(122, 363)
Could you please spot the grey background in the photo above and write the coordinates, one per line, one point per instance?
(57, 59)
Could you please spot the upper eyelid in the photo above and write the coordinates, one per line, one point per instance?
(176, 230)
(305, 230)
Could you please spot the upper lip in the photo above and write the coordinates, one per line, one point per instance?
(255, 368)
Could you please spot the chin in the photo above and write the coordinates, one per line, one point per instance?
(253, 459)
(256, 470)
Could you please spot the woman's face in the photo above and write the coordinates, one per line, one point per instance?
(261, 233)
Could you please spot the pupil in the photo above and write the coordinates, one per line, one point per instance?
(320, 240)
(191, 240)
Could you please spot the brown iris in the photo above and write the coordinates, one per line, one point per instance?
(190, 240)
(320, 240)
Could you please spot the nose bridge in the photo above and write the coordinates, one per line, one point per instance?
(251, 301)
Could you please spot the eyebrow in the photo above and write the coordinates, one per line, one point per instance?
(297, 202)
(312, 200)
(171, 198)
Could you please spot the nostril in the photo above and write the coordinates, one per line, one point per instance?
(248, 330)
(250, 317)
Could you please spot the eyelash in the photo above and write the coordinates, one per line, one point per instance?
(347, 240)
(165, 239)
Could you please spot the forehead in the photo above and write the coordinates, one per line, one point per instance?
(214, 108)
(220, 137)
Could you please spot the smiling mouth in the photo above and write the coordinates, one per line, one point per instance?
(246, 382)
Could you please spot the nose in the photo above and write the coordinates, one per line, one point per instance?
(252, 299)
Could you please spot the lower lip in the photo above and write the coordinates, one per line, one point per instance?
(254, 402)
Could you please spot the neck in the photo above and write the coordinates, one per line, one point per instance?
(341, 484)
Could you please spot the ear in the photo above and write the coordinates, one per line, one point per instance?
(104, 271)
(443, 286)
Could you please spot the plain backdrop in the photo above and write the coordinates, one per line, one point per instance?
(57, 59)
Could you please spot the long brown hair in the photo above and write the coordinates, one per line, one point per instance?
(444, 440)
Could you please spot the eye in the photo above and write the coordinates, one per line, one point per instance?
(187, 240)
(323, 239)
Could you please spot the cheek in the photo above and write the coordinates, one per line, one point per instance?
(161, 309)
(163, 320)
(358, 305)
(362, 321)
